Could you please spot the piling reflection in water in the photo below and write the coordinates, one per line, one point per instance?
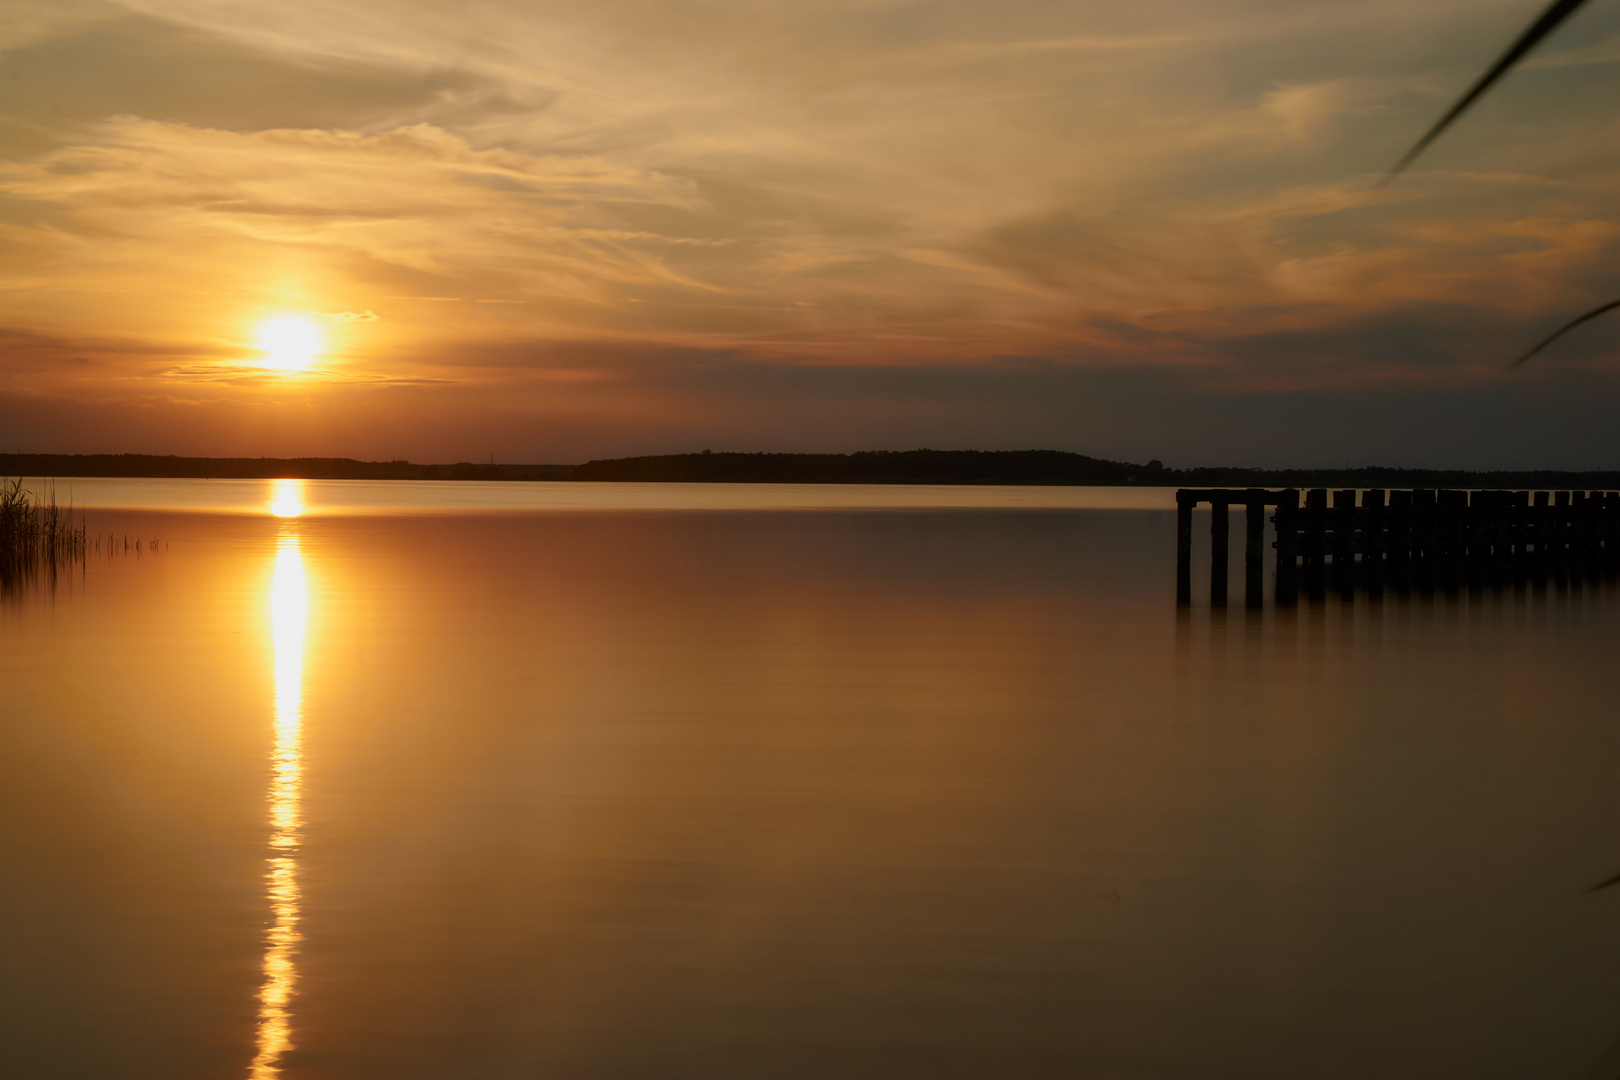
(289, 613)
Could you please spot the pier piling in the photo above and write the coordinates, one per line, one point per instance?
(1286, 590)
(1344, 543)
(1184, 509)
(1403, 540)
(1373, 555)
(1254, 532)
(1316, 544)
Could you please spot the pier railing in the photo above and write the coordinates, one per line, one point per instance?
(1403, 540)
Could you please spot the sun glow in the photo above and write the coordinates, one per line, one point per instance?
(290, 342)
(287, 498)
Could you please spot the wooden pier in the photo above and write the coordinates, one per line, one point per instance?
(1423, 540)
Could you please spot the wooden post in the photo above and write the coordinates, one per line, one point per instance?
(1519, 536)
(1373, 549)
(1475, 513)
(1286, 590)
(1316, 544)
(1577, 538)
(1344, 543)
(1612, 537)
(1254, 535)
(1501, 538)
(1185, 501)
(1400, 540)
(1427, 538)
(1585, 536)
(1600, 535)
(1541, 534)
(1596, 522)
(1560, 544)
(1470, 509)
(1611, 533)
(1219, 533)
(1450, 539)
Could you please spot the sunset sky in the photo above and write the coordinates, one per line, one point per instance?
(559, 229)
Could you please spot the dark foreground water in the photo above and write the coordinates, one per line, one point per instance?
(913, 793)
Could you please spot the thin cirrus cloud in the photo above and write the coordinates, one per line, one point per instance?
(600, 213)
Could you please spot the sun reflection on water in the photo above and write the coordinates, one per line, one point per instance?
(287, 498)
(289, 614)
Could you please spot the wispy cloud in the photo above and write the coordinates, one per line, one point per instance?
(254, 375)
(1171, 186)
(1606, 51)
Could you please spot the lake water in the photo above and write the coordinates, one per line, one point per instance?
(598, 782)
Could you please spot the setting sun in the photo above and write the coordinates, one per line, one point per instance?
(290, 342)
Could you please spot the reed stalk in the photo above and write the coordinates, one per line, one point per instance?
(36, 535)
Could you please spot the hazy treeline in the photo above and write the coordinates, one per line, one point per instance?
(1044, 467)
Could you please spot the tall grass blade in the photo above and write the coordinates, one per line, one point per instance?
(1566, 328)
(1606, 883)
(1556, 13)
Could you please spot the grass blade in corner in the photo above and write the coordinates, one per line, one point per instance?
(1556, 13)
(1560, 332)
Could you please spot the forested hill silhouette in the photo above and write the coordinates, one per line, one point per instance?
(1052, 467)
(1043, 467)
(877, 467)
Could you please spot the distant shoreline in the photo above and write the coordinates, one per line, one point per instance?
(1046, 468)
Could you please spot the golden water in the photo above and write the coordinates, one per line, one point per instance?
(922, 792)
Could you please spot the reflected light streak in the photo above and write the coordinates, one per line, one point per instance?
(287, 499)
(289, 614)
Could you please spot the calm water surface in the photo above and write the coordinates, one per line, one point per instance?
(443, 781)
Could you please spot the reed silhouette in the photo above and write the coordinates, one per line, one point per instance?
(37, 536)
(1549, 20)
(1556, 13)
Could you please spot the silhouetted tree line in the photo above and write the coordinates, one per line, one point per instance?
(875, 467)
(1051, 467)
(1043, 467)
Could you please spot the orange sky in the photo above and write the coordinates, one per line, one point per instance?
(552, 231)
